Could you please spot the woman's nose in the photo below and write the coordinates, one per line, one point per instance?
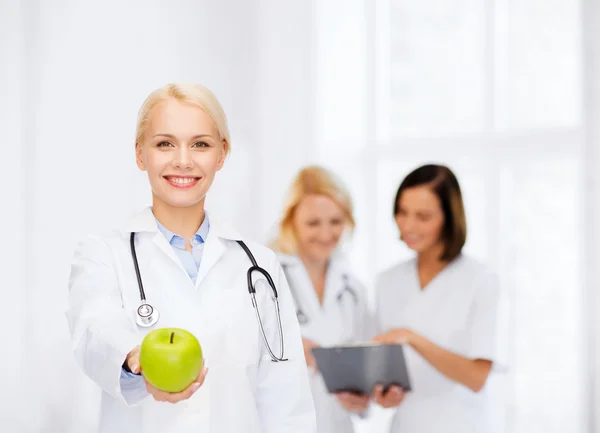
(182, 158)
(408, 224)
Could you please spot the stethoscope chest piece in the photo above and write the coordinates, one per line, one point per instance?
(146, 315)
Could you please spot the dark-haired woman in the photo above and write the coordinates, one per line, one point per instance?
(442, 305)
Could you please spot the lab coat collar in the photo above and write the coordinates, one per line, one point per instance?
(288, 259)
(214, 246)
(337, 268)
(144, 221)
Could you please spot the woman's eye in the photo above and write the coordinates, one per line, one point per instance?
(201, 144)
(163, 144)
(312, 223)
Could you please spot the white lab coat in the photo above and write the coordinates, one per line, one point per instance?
(244, 390)
(458, 311)
(337, 321)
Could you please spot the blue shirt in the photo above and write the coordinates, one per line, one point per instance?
(189, 260)
(132, 383)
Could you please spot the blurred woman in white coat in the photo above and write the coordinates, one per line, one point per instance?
(173, 266)
(330, 301)
(442, 305)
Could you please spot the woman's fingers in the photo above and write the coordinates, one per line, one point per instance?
(175, 397)
(393, 397)
(353, 402)
(133, 360)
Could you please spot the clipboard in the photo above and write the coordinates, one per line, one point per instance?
(358, 368)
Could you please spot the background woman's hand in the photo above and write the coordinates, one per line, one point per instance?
(133, 362)
(396, 336)
(353, 402)
(391, 398)
(310, 359)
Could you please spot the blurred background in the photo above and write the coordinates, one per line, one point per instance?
(505, 92)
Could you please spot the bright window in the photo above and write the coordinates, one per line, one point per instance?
(493, 90)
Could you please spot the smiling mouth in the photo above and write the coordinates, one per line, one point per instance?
(181, 181)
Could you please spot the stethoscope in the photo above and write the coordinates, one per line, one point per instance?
(303, 319)
(147, 315)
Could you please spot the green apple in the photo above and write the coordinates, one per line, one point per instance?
(170, 359)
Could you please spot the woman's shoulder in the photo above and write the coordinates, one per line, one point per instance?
(139, 221)
(474, 275)
(287, 259)
(264, 255)
(344, 266)
(99, 246)
(398, 270)
(466, 264)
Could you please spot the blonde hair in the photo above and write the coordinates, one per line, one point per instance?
(190, 93)
(310, 180)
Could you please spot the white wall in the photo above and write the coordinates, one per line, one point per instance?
(286, 96)
(13, 285)
(591, 186)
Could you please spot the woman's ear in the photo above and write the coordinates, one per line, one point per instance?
(223, 155)
(139, 160)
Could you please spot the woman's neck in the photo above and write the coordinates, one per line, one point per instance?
(317, 271)
(183, 221)
(430, 264)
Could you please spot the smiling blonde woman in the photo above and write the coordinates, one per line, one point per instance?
(194, 271)
(330, 301)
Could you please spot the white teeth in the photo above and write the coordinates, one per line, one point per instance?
(182, 180)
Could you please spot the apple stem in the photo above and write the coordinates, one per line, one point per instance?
(172, 335)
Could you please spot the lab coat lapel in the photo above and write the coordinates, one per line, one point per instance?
(145, 222)
(161, 243)
(214, 248)
(219, 235)
(334, 280)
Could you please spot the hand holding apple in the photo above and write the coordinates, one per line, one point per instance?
(133, 362)
(171, 362)
(174, 397)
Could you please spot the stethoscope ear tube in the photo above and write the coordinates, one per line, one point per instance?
(137, 268)
(146, 315)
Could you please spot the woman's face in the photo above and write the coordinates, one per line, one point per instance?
(181, 152)
(420, 218)
(318, 224)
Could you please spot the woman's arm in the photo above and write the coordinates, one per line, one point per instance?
(471, 373)
(100, 331)
(471, 368)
